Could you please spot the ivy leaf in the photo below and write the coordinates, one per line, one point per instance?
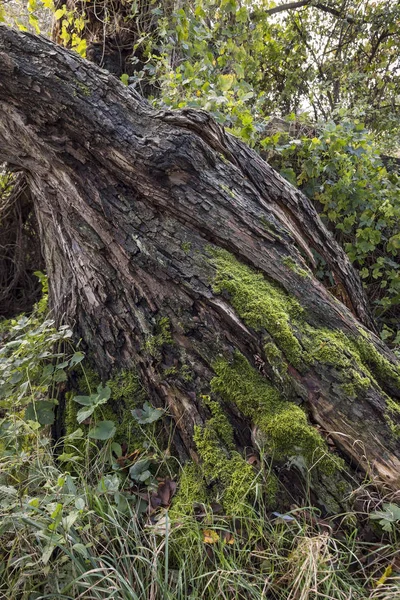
(147, 414)
(104, 430)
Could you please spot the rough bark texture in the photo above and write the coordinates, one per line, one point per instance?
(133, 206)
(20, 254)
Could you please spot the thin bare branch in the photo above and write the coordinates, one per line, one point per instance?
(308, 3)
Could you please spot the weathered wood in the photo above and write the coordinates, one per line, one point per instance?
(131, 203)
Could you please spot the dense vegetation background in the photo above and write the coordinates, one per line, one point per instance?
(312, 86)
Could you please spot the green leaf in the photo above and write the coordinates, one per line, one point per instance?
(104, 430)
(124, 78)
(75, 435)
(147, 414)
(80, 549)
(84, 413)
(62, 365)
(77, 358)
(60, 376)
(47, 552)
(104, 393)
(117, 449)
(137, 470)
(226, 82)
(60, 13)
(83, 400)
(16, 377)
(108, 483)
(80, 503)
(41, 411)
(69, 457)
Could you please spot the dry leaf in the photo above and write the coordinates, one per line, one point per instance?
(387, 573)
(210, 536)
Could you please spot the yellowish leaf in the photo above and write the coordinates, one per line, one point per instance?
(386, 574)
(210, 536)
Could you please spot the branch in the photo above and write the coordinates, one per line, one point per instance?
(301, 3)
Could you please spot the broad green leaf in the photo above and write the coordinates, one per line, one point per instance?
(147, 414)
(77, 358)
(104, 430)
(60, 376)
(84, 400)
(41, 411)
(84, 413)
(141, 466)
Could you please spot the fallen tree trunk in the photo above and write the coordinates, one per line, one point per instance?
(175, 250)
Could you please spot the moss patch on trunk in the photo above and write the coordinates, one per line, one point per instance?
(284, 424)
(265, 307)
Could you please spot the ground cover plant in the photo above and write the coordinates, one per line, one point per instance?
(90, 518)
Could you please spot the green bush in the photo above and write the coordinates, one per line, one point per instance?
(341, 171)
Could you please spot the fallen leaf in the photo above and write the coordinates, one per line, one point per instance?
(387, 573)
(227, 538)
(166, 490)
(210, 536)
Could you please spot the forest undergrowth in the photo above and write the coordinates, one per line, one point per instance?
(108, 511)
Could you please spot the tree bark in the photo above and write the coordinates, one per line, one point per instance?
(152, 223)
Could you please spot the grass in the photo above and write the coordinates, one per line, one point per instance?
(64, 536)
(74, 525)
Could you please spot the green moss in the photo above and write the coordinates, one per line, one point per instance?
(293, 266)
(227, 190)
(71, 410)
(154, 343)
(260, 303)
(283, 423)
(233, 476)
(384, 370)
(393, 417)
(273, 354)
(270, 228)
(186, 246)
(265, 306)
(186, 373)
(192, 489)
(356, 384)
(71, 425)
(327, 347)
(170, 371)
(84, 90)
(219, 422)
